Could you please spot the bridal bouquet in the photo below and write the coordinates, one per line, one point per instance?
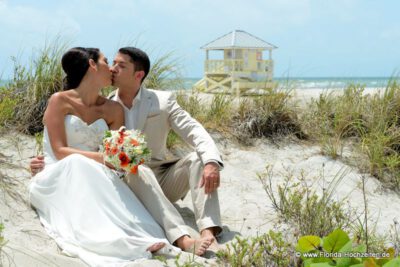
(125, 149)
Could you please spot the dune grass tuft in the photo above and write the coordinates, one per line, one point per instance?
(369, 123)
(32, 85)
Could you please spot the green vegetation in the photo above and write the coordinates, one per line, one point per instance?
(317, 233)
(337, 249)
(270, 115)
(297, 203)
(31, 87)
(270, 249)
(173, 140)
(2, 239)
(39, 143)
(165, 73)
(3, 242)
(192, 104)
(368, 123)
(7, 104)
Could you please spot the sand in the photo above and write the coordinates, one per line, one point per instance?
(245, 207)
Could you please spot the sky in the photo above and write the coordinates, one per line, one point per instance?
(315, 38)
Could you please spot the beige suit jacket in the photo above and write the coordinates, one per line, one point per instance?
(159, 112)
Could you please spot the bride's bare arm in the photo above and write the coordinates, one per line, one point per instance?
(53, 118)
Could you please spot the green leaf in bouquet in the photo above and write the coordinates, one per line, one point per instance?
(107, 134)
(146, 151)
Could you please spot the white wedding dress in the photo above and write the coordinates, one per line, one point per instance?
(88, 210)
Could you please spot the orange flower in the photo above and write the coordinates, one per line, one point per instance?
(134, 169)
(122, 131)
(120, 140)
(134, 142)
(141, 161)
(124, 159)
(114, 150)
(107, 147)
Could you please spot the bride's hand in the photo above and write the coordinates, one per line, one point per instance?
(36, 165)
(109, 165)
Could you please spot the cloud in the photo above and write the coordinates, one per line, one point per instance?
(29, 24)
(24, 28)
(270, 15)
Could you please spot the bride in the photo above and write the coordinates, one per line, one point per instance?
(89, 211)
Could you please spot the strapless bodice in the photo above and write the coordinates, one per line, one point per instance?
(80, 135)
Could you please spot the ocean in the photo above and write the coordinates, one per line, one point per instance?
(320, 82)
(311, 82)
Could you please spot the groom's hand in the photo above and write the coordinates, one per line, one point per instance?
(210, 179)
(36, 165)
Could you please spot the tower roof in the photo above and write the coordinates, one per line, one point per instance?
(238, 39)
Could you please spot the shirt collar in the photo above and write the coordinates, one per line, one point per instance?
(134, 101)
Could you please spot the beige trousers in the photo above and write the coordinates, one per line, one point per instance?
(168, 182)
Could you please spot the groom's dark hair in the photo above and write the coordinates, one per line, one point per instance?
(138, 57)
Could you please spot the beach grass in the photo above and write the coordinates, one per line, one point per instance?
(268, 249)
(8, 103)
(298, 204)
(368, 123)
(165, 73)
(270, 115)
(32, 85)
(246, 119)
(3, 242)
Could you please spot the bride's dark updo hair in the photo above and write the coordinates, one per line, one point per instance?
(75, 63)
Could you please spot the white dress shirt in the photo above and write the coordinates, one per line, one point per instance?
(131, 114)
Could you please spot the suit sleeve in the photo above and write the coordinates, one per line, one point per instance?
(192, 132)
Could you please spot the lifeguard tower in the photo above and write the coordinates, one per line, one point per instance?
(242, 67)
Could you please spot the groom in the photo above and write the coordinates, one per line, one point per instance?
(155, 113)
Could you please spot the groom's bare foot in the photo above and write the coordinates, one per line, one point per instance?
(197, 246)
(156, 247)
(210, 233)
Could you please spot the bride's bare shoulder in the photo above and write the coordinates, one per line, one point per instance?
(60, 102)
(61, 96)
